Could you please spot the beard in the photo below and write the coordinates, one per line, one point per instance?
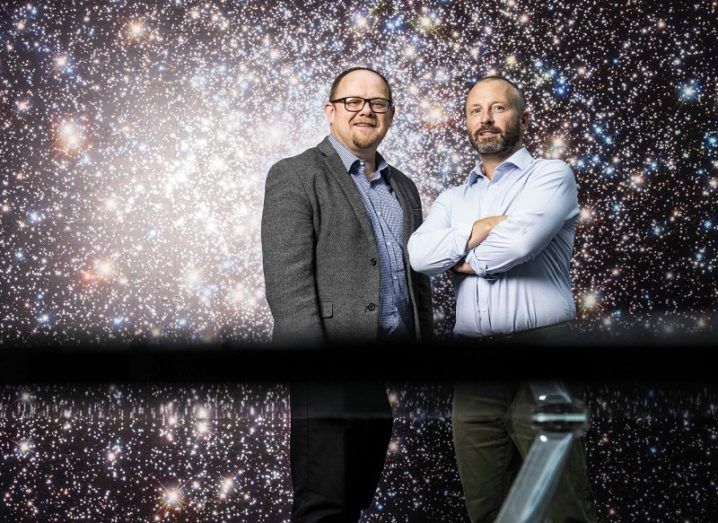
(498, 144)
(365, 136)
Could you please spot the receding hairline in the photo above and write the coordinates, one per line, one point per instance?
(518, 96)
(341, 76)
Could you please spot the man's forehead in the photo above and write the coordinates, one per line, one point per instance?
(494, 88)
(362, 79)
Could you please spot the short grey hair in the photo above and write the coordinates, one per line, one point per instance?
(519, 99)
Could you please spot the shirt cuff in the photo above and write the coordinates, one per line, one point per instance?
(478, 267)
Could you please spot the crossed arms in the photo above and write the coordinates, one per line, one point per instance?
(479, 232)
(495, 244)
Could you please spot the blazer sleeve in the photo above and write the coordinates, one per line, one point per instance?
(288, 258)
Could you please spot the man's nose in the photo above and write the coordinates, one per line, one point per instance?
(366, 109)
(487, 116)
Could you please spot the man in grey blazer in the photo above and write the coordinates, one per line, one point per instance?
(335, 224)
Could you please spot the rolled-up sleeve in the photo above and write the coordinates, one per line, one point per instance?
(437, 245)
(547, 202)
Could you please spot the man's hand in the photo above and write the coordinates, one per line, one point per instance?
(462, 267)
(481, 230)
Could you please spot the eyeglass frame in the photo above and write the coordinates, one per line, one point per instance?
(365, 100)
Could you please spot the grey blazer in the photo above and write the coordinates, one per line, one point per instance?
(320, 261)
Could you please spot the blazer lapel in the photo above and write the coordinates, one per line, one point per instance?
(335, 165)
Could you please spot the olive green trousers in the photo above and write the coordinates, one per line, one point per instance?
(492, 434)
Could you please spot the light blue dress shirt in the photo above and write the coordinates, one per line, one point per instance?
(387, 221)
(522, 268)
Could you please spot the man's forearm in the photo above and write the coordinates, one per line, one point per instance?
(547, 203)
(479, 232)
(481, 229)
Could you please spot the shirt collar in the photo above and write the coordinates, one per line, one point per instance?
(349, 160)
(520, 160)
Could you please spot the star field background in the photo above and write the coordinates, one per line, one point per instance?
(217, 453)
(135, 137)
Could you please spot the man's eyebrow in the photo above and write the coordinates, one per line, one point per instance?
(493, 102)
(370, 98)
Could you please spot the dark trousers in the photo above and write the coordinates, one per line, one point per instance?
(492, 434)
(338, 443)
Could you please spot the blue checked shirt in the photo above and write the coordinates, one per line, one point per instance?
(522, 268)
(387, 221)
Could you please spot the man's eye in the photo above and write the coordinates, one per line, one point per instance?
(475, 110)
(499, 108)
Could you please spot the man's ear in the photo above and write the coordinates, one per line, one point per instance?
(329, 112)
(525, 119)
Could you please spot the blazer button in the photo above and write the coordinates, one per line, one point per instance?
(371, 307)
(373, 261)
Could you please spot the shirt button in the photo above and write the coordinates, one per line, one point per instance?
(373, 261)
(483, 309)
(371, 307)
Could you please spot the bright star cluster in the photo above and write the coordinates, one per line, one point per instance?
(136, 137)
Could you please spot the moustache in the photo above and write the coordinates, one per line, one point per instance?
(487, 129)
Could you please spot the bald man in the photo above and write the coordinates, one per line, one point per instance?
(507, 236)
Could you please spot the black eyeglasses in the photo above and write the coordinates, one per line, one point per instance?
(355, 104)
